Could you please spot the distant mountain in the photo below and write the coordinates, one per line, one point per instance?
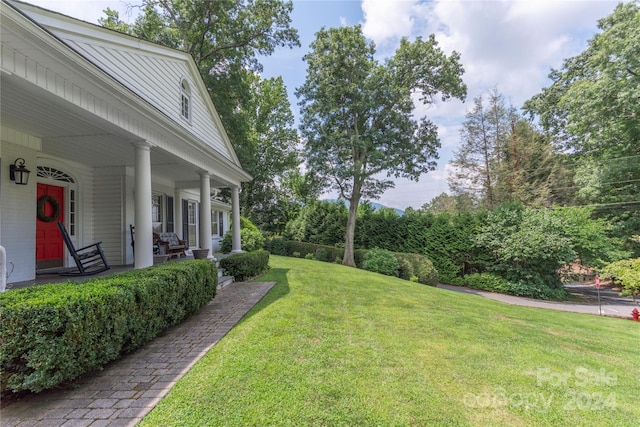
(376, 205)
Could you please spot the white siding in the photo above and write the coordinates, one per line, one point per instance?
(156, 79)
(108, 212)
(18, 214)
(69, 89)
(13, 136)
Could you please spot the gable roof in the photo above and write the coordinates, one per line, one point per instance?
(151, 71)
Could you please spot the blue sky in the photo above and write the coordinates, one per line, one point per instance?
(508, 44)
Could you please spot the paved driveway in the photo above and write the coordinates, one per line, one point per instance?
(611, 303)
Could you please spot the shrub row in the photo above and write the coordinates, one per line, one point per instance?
(493, 283)
(446, 239)
(410, 266)
(52, 334)
(280, 246)
(245, 265)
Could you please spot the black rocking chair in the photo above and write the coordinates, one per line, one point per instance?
(89, 260)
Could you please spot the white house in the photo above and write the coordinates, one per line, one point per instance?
(115, 131)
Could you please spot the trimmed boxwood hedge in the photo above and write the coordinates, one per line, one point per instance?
(52, 334)
(243, 266)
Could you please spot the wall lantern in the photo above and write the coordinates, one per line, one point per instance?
(19, 173)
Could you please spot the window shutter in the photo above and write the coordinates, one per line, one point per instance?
(169, 214)
(185, 221)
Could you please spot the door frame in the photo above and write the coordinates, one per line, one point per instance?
(50, 234)
(68, 182)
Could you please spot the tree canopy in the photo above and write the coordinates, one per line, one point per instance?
(268, 151)
(593, 104)
(592, 110)
(220, 34)
(357, 114)
(503, 157)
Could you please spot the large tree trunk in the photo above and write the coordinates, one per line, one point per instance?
(350, 233)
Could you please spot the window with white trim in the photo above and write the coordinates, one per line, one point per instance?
(185, 100)
(156, 212)
(217, 223)
(192, 230)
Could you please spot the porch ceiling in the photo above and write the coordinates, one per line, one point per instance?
(69, 132)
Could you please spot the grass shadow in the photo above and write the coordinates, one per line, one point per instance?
(279, 290)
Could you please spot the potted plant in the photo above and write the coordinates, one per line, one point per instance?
(200, 253)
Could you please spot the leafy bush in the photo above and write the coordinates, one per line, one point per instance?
(405, 268)
(416, 268)
(487, 282)
(525, 245)
(52, 334)
(245, 265)
(308, 256)
(302, 248)
(323, 254)
(381, 261)
(627, 273)
(528, 246)
(358, 256)
(251, 239)
(494, 283)
(276, 246)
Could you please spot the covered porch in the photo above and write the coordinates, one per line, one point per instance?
(105, 155)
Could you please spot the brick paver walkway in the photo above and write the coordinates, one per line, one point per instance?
(127, 389)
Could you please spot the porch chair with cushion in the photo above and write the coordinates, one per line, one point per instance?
(170, 244)
(89, 259)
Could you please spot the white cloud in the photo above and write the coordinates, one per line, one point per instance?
(509, 44)
(386, 21)
(415, 194)
(513, 44)
(90, 10)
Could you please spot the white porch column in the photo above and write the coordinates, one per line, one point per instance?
(3, 269)
(177, 214)
(235, 220)
(142, 206)
(205, 212)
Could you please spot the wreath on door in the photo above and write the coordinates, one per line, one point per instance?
(56, 208)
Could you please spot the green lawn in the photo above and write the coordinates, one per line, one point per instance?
(332, 345)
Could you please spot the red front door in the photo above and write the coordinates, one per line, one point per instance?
(49, 244)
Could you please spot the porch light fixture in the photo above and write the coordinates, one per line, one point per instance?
(19, 173)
